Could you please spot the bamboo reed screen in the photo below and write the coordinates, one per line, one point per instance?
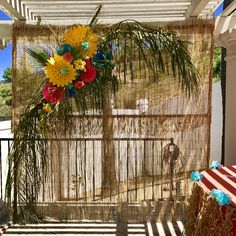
(121, 154)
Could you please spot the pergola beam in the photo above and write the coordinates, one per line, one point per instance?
(229, 9)
(71, 21)
(196, 8)
(59, 10)
(102, 2)
(110, 16)
(39, 11)
(105, 8)
(107, 3)
(126, 9)
(14, 10)
(222, 25)
(125, 12)
(6, 29)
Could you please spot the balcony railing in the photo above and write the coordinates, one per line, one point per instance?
(74, 173)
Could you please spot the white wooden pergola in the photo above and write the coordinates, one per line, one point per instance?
(148, 11)
(71, 11)
(81, 11)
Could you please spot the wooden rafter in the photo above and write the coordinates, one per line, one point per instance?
(229, 9)
(196, 7)
(14, 8)
(72, 11)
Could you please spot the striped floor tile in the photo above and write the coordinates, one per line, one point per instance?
(107, 229)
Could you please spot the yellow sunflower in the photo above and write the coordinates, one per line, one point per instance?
(59, 72)
(83, 38)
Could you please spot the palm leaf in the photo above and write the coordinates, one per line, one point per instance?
(95, 15)
(157, 48)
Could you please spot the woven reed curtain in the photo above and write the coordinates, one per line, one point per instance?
(122, 153)
(27, 78)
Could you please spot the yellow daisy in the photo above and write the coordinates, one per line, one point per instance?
(79, 64)
(82, 38)
(59, 72)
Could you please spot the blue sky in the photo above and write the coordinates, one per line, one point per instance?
(218, 10)
(5, 55)
(4, 16)
(5, 59)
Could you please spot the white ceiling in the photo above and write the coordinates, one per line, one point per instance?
(81, 11)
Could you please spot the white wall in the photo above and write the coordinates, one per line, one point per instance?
(216, 125)
(5, 129)
(5, 132)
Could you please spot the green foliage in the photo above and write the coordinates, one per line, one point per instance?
(6, 94)
(5, 100)
(28, 156)
(217, 65)
(162, 51)
(8, 101)
(7, 75)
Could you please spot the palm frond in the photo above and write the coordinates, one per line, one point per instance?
(161, 50)
(28, 157)
(95, 15)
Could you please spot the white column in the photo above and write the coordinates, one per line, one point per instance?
(228, 40)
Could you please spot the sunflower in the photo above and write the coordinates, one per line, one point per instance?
(82, 38)
(59, 71)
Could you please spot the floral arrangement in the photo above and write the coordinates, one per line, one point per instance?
(74, 65)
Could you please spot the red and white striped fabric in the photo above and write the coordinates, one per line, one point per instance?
(223, 179)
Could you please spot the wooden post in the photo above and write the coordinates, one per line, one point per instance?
(171, 152)
(109, 182)
(14, 191)
(122, 219)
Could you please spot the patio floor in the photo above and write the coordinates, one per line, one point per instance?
(96, 228)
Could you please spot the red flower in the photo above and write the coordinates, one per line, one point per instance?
(68, 57)
(89, 75)
(53, 94)
(79, 84)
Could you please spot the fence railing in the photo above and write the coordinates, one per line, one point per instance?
(78, 165)
(82, 170)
